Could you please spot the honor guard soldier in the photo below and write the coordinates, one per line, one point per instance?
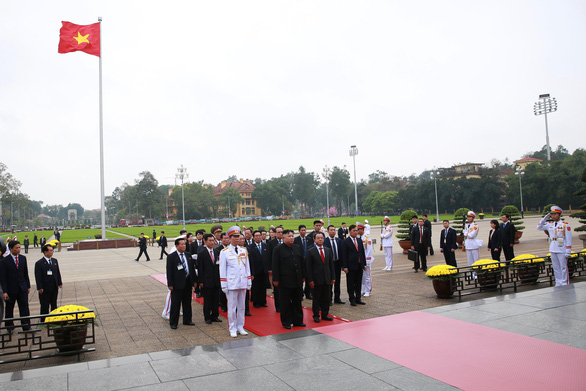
(364, 232)
(470, 233)
(560, 243)
(387, 243)
(235, 279)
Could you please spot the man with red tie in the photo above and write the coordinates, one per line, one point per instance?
(15, 284)
(353, 264)
(421, 241)
(320, 276)
(209, 279)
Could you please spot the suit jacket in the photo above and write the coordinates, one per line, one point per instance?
(141, 243)
(427, 224)
(217, 251)
(319, 272)
(260, 260)
(176, 278)
(208, 270)
(328, 244)
(308, 243)
(508, 234)
(352, 259)
(288, 266)
(271, 245)
(12, 279)
(495, 239)
(342, 233)
(163, 241)
(43, 280)
(448, 243)
(416, 233)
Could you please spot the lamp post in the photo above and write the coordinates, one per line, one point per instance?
(519, 172)
(435, 175)
(353, 153)
(543, 106)
(182, 175)
(326, 172)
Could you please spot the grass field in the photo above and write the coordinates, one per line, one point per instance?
(31, 234)
(73, 235)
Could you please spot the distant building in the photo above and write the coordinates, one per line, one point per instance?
(248, 207)
(523, 163)
(466, 170)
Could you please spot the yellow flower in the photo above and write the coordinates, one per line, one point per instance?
(527, 258)
(441, 270)
(483, 264)
(69, 318)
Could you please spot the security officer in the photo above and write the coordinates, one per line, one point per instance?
(217, 232)
(364, 233)
(387, 243)
(235, 279)
(560, 243)
(470, 233)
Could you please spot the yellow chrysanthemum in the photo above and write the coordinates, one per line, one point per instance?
(527, 258)
(441, 270)
(573, 254)
(66, 309)
(483, 264)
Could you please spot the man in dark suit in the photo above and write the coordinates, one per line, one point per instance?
(288, 276)
(342, 231)
(181, 279)
(421, 242)
(271, 245)
(15, 284)
(335, 244)
(448, 244)
(304, 243)
(209, 279)
(320, 276)
(221, 241)
(48, 280)
(259, 257)
(317, 224)
(163, 244)
(142, 245)
(35, 241)
(427, 224)
(353, 264)
(508, 237)
(26, 244)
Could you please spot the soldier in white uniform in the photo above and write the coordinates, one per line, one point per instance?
(560, 243)
(364, 234)
(387, 243)
(235, 279)
(470, 233)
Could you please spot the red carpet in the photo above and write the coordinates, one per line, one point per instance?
(265, 321)
(466, 355)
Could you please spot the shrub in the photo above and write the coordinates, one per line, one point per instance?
(98, 236)
(459, 220)
(581, 215)
(515, 216)
(405, 224)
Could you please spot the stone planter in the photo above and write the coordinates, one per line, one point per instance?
(518, 235)
(70, 338)
(442, 288)
(582, 237)
(405, 245)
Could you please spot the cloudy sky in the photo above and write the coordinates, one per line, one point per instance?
(258, 88)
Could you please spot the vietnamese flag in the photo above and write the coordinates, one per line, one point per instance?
(74, 37)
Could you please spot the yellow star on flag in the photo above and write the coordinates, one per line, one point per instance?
(81, 38)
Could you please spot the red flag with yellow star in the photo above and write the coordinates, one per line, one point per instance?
(74, 37)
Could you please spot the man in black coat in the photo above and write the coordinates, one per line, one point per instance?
(353, 264)
(448, 244)
(48, 280)
(222, 241)
(209, 279)
(142, 245)
(259, 257)
(163, 244)
(342, 231)
(15, 284)
(508, 237)
(427, 224)
(271, 245)
(288, 277)
(320, 276)
(335, 244)
(304, 242)
(420, 241)
(181, 279)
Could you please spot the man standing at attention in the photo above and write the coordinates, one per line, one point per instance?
(387, 243)
(15, 285)
(560, 244)
(421, 242)
(181, 280)
(470, 233)
(448, 244)
(320, 277)
(209, 279)
(364, 234)
(48, 280)
(335, 244)
(353, 264)
(508, 237)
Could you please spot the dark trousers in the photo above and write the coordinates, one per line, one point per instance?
(180, 298)
(211, 301)
(422, 252)
(259, 290)
(22, 299)
(336, 287)
(223, 301)
(26, 248)
(509, 253)
(450, 257)
(496, 255)
(277, 297)
(143, 250)
(48, 299)
(321, 299)
(247, 302)
(307, 290)
(290, 305)
(431, 249)
(163, 252)
(354, 284)
(35, 244)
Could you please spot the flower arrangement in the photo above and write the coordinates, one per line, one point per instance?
(69, 319)
(441, 272)
(573, 254)
(487, 264)
(527, 258)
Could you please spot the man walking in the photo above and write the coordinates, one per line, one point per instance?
(163, 244)
(142, 245)
(48, 280)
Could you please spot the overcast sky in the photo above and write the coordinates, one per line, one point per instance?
(258, 88)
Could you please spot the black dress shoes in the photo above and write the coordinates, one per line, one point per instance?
(174, 327)
(247, 314)
(208, 321)
(264, 305)
(288, 327)
(300, 325)
(316, 319)
(328, 318)
(189, 324)
(360, 302)
(352, 303)
(338, 301)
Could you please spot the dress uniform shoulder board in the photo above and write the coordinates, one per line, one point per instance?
(224, 249)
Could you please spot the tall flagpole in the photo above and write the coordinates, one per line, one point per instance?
(103, 206)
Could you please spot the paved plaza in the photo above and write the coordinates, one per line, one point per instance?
(136, 348)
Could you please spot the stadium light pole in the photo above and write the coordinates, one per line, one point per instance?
(543, 106)
(353, 153)
(326, 172)
(182, 175)
(519, 172)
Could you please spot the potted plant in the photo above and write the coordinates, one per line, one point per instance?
(69, 329)
(527, 267)
(444, 280)
(459, 223)
(581, 215)
(404, 229)
(488, 272)
(515, 214)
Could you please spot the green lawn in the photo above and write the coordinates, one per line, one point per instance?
(47, 234)
(73, 235)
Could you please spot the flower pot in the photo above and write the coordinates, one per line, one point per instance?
(442, 288)
(405, 245)
(70, 338)
(582, 237)
(528, 273)
(489, 280)
(518, 235)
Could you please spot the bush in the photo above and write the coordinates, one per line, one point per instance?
(98, 236)
(459, 220)
(515, 214)
(405, 224)
(581, 215)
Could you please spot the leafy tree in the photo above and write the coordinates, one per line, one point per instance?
(199, 200)
(304, 186)
(230, 197)
(149, 197)
(339, 186)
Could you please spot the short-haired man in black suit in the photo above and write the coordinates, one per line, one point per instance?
(259, 257)
(420, 241)
(427, 224)
(271, 245)
(209, 279)
(15, 284)
(335, 244)
(181, 279)
(222, 241)
(48, 280)
(508, 237)
(304, 243)
(342, 231)
(320, 276)
(448, 244)
(353, 264)
(142, 245)
(163, 244)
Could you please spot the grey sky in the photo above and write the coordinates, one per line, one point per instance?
(256, 89)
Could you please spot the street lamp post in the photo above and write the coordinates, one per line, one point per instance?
(435, 176)
(353, 153)
(543, 106)
(519, 172)
(182, 175)
(326, 172)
